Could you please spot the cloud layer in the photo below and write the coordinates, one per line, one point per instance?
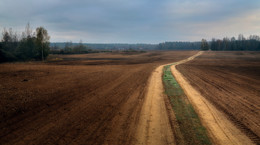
(133, 21)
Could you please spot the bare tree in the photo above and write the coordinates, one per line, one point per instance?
(28, 31)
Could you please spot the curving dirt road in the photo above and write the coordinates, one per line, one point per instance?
(155, 120)
(220, 129)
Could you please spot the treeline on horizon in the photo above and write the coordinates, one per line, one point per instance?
(108, 46)
(35, 45)
(179, 46)
(70, 48)
(83, 48)
(252, 43)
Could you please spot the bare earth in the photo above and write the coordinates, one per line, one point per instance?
(221, 130)
(79, 99)
(154, 127)
(231, 82)
(110, 98)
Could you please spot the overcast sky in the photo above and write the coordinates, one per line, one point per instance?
(133, 21)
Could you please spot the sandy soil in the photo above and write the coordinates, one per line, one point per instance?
(221, 130)
(155, 121)
(154, 127)
(78, 100)
(229, 81)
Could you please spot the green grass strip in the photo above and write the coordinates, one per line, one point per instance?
(189, 123)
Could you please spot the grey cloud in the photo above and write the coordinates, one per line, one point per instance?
(130, 21)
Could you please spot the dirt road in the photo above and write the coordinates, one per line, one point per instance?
(221, 130)
(230, 81)
(154, 126)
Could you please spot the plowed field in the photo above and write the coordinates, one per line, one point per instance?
(77, 99)
(231, 82)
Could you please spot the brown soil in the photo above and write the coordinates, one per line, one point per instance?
(81, 99)
(221, 130)
(230, 81)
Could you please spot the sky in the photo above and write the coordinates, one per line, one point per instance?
(133, 21)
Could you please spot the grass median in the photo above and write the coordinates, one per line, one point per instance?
(189, 128)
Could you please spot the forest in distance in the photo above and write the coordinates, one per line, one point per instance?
(252, 43)
(35, 45)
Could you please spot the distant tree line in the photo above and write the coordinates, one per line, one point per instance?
(104, 46)
(204, 45)
(179, 46)
(71, 48)
(27, 46)
(252, 43)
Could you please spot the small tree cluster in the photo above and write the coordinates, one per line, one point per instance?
(27, 46)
